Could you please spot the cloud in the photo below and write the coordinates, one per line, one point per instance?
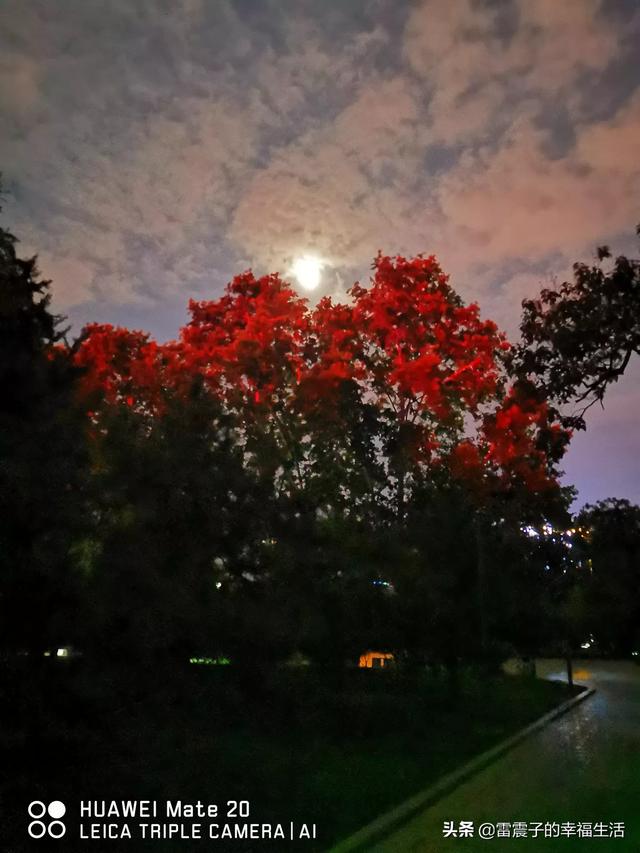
(19, 83)
(518, 202)
(359, 182)
(340, 190)
(154, 149)
(478, 58)
(133, 130)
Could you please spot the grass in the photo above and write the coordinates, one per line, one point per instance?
(297, 749)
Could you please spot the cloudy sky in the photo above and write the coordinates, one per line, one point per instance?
(153, 148)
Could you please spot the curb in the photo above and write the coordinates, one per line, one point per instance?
(383, 825)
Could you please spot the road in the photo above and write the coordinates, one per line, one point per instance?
(584, 766)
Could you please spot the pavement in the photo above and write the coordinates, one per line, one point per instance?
(583, 768)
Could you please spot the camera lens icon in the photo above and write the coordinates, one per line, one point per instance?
(54, 828)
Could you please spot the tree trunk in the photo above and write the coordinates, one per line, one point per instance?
(402, 477)
(481, 565)
(569, 662)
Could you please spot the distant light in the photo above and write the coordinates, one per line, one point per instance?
(62, 653)
(47, 654)
(218, 584)
(585, 645)
(307, 270)
(531, 531)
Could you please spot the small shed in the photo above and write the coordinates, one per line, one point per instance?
(375, 660)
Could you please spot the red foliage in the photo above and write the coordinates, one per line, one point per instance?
(332, 355)
(120, 367)
(247, 345)
(432, 352)
(509, 450)
(407, 344)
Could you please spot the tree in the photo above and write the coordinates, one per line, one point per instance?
(454, 439)
(42, 460)
(247, 347)
(423, 373)
(344, 416)
(172, 565)
(610, 534)
(426, 361)
(579, 338)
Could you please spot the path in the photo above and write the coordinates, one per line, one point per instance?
(584, 766)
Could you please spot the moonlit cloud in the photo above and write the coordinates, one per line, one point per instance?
(150, 149)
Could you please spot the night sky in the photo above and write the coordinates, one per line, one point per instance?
(153, 149)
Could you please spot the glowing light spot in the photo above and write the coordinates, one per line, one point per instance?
(307, 270)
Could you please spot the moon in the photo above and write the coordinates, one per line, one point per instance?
(307, 270)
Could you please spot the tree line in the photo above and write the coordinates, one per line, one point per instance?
(287, 480)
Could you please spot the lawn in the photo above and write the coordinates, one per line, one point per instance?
(296, 749)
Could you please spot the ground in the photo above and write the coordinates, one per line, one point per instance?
(297, 749)
(584, 766)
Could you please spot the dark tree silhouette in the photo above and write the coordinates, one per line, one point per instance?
(579, 338)
(41, 459)
(611, 542)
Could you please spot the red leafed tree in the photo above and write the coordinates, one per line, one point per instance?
(429, 360)
(406, 357)
(347, 409)
(515, 448)
(434, 371)
(120, 367)
(248, 350)
(427, 352)
(247, 346)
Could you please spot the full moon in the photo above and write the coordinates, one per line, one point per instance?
(307, 270)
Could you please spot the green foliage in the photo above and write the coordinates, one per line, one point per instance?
(175, 514)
